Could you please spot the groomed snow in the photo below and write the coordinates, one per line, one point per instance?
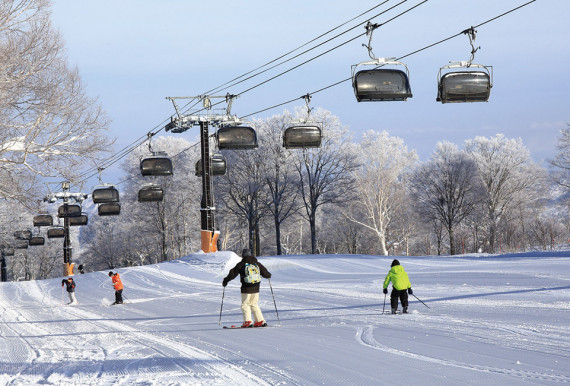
(492, 320)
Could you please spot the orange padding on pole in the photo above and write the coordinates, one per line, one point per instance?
(206, 238)
(68, 269)
(214, 247)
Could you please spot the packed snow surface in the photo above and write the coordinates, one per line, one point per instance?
(491, 320)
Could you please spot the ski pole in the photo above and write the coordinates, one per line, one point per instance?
(62, 301)
(383, 307)
(421, 301)
(276, 312)
(222, 306)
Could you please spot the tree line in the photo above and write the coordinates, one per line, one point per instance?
(368, 195)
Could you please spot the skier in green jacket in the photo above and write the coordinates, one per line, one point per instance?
(401, 286)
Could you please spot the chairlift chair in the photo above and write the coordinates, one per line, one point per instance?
(105, 194)
(55, 233)
(159, 164)
(78, 220)
(381, 84)
(9, 252)
(235, 137)
(21, 244)
(466, 85)
(42, 220)
(37, 240)
(109, 209)
(218, 166)
(69, 211)
(23, 235)
(302, 136)
(151, 193)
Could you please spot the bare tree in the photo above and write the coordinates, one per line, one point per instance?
(446, 188)
(244, 193)
(279, 171)
(325, 173)
(48, 126)
(379, 183)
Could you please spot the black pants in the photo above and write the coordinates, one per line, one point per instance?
(119, 296)
(402, 294)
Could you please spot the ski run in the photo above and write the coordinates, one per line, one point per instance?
(493, 320)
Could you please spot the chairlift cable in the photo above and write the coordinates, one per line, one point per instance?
(399, 58)
(302, 53)
(128, 149)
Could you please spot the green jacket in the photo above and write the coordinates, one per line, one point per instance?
(398, 277)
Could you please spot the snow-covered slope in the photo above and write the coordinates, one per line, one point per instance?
(492, 320)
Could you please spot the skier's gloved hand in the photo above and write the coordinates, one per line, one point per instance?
(225, 282)
(385, 290)
(410, 291)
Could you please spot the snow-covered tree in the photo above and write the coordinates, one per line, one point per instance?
(48, 126)
(379, 183)
(325, 173)
(509, 176)
(281, 177)
(562, 159)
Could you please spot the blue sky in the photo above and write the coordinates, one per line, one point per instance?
(132, 54)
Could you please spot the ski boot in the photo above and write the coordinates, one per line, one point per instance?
(405, 310)
(247, 324)
(394, 310)
(260, 324)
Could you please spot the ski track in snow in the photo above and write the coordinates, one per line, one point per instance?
(50, 364)
(365, 336)
(479, 329)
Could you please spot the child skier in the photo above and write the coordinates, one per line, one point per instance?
(250, 271)
(401, 286)
(70, 284)
(118, 286)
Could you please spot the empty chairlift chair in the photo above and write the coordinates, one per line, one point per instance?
(218, 166)
(466, 85)
(302, 136)
(109, 209)
(159, 164)
(23, 235)
(55, 233)
(236, 137)
(105, 194)
(151, 193)
(43, 220)
(37, 240)
(79, 220)
(69, 211)
(381, 84)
